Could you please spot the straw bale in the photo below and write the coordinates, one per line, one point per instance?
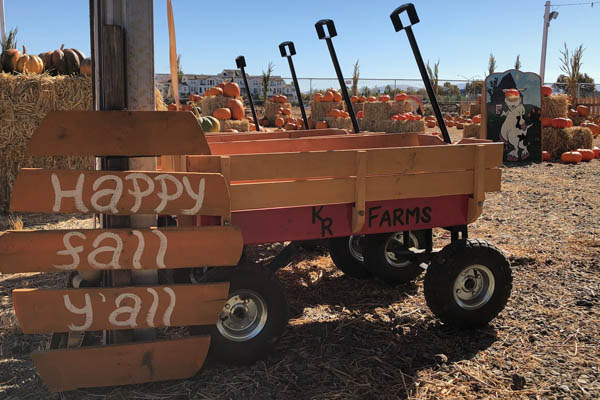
(366, 124)
(474, 109)
(319, 110)
(581, 138)
(471, 131)
(241, 126)
(555, 106)
(272, 110)
(209, 104)
(378, 110)
(408, 126)
(339, 123)
(24, 101)
(401, 107)
(159, 101)
(358, 107)
(556, 141)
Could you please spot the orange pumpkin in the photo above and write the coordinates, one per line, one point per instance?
(571, 157)
(290, 126)
(327, 97)
(477, 119)
(281, 99)
(215, 91)
(9, 59)
(231, 130)
(321, 125)
(592, 127)
(28, 63)
(318, 97)
(360, 114)
(400, 97)
(545, 156)
(286, 111)
(546, 121)
(299, 123)
(596, 151)
(279, 122)
(237, 109)
(353, 99)
(583, 111)
(252, 127)
(221, 85)
(362, 99)
(560, 123)
(231, 89)
(222, 113)
(172, 107)
(371, 99)
(337, 97)
(335, 113)
(546, 90)
(384, 98)
(430, 124)
(572, 113)
(586, 154)
(569, 122)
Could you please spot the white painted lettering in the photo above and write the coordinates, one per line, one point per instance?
(153, 307)
(164, 195)
(162, 249)
(132, 311)
(116, 251)
(85, 310)
(77, 194)
(139, 251)
(71, 251)
(169, 310)
(199, 197)
(115, 194)
(136, 192)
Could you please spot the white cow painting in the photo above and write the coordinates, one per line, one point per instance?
(514, 129)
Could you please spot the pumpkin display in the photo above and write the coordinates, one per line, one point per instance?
(72, 61)
(318, 97)
(400, 97)
(560, 123)
(572, 113)
(279, 122)
(86, 67)
(231, 89)
(28, 63)
(546, 91)
(290, 126)
(327, 97)
(546, 121)
(592, 127)
(586, 154)
(360, 114)
(47, 60)
(9, 60)
(286, 111)
(252, 127)
(384, 98)
(371, 99)
(337, 97)
(216, 91)
(57, 61)
(321, 125)
(430, 124)
(354, 99)
(545, 156)
(477, 119)
(237, 109)
(583, 111)
(209, 124)
(571, 157)
(299, 123)
(222, 113)
(221, 85)
(362, 99)
(335, 113)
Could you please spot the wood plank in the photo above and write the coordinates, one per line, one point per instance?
(246, 196)
(315, 144)
(122, 192)
(237, 137)
(118, 249)
(123, 364)
(94, 309)
(358, 211)
(118, 133)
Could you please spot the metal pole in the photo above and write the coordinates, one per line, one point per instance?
(241, 63)
(292, 50)
(545, 41)
(2, 26)
(332, 33)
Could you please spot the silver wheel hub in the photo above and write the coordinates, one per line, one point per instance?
(355, 249)
(474, 287)
(243, 316)
(396, 241)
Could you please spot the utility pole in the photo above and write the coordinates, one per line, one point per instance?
(547, 17)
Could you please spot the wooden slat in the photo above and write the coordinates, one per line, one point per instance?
(118, 133)
(316, 144)
(123, 364)
(53, 251)
(94, 309)
(358, 211)
(341, 163)
(237, 137)
(246, 196)
(38, 190)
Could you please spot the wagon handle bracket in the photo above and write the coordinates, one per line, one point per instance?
(331, 32)
(412, 16)
(285, 46)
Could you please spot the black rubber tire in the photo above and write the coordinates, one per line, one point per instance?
(446, 267)
(339, 251)
(377, 264)
(262, 281)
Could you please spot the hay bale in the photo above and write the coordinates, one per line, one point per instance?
(408, 126)
(471, 131)
(556, 141)
(241, 126)
(378, 110)
(339, 123)
(358, 107)
(581, 138)
(24, 101)
(272, 110)
(401, 107)
(366, 125)
(209, 104)
(319, 110)
(555, 106)
(474, 109)
(159, 103)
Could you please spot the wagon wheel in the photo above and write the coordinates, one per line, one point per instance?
(253, 318)
(388, 257)
(468, 284)
(347, 254)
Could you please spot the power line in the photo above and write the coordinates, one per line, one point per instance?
(573, 4)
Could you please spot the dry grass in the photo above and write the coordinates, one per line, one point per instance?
(555, 106)
(351, 339)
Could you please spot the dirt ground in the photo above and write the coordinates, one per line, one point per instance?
(354, 339)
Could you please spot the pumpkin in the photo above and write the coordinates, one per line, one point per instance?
(290, 126)
(231, 89)
(237, 109)
(571, 157)
(311, 123)
(209, 124)
(560, 123)
(572, 113)
(215, 91)
(596, 151)
(477, 119)
(545, 156)
(252, 127)
(85, 67)
(371, 99)
(345, 114)
(592, 127)
(337, 97)
(318, 97)
(583, 111)
(9, 60)
(172, 107)
(221, 85)
(362, 99)
(400, 97)
(360, 114)
(231, 130)
(300, 123)
(47, 60)
(546, 90)
(321, 125)
(327, 97)
(546, 121)
(354, 99)
(222, 113)
(73, 59)
(281, 99)
(57, 61)
(335, 113)
(569, 122)
(29, 63)
(586, 154)
(430, 124)
(279, 122)
(286, 111)
(384, 98)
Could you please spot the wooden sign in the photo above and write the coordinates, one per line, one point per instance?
(119, 192)
(113, 249)
(512, 109)
(94, 309)
(123, 364)
(118, 133)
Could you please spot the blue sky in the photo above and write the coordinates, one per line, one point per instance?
(210, 34)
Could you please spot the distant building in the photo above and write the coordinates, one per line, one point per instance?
(199, 83)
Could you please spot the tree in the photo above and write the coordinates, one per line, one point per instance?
(355, 76)
(473, 88)
(179, 70)
(434, 75)
(570, 65)
(365, 91)
(491, 64)
(584, 81)
(11, 40)
(450, 90)
(518, 63)
(266, 79)
(387, 89)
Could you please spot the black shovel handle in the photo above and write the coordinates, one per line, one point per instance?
(240, 62)
(331, 32)
(292, 50)
(289, 46)
(412, 16)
